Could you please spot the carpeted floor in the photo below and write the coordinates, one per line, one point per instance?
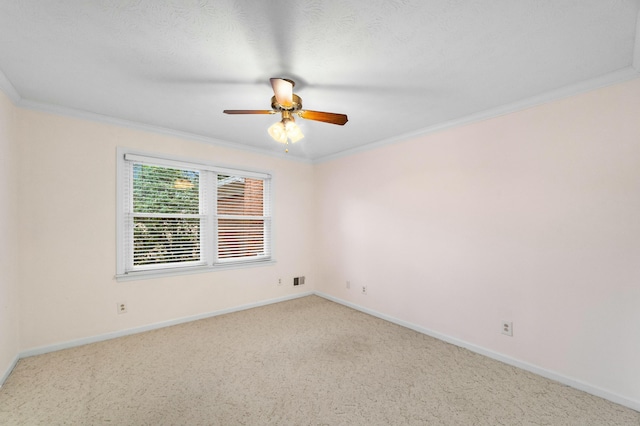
(307, 361)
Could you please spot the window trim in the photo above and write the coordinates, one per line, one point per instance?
(124, 154)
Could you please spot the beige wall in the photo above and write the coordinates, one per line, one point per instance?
(9, 243)
(532, 217)
(68, 228)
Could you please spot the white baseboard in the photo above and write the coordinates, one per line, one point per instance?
(577, 384)
(7, 373)
(107, 336)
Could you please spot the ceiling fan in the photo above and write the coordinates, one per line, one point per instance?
(288, 103)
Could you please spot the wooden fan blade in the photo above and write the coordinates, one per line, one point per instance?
(283, 89)
(326, 117)
(249, 111)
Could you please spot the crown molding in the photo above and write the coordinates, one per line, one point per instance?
(8, 89)
(615, 77)
(105, 119)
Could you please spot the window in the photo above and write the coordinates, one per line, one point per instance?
(181, 216)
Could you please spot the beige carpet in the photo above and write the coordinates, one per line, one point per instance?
(307, 361)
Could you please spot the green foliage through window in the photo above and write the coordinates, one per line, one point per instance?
(167, 192)
(164, 190)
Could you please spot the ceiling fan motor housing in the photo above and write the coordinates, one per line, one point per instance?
(296, 104)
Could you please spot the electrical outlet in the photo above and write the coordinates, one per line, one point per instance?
(364, 289)
(507, 328)
(122, 308)
(279, 281)
(296, 281)
(301, 280)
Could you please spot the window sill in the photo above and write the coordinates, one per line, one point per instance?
(161, 273)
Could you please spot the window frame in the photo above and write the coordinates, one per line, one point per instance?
(209, 233)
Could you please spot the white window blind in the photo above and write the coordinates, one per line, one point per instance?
(243, 222)
(186, 215)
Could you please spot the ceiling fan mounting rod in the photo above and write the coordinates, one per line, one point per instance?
(286, 115)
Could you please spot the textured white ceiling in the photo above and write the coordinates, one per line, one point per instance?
(396, 67)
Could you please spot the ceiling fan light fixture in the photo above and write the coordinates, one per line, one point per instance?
(278, 132)
(293, 131)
